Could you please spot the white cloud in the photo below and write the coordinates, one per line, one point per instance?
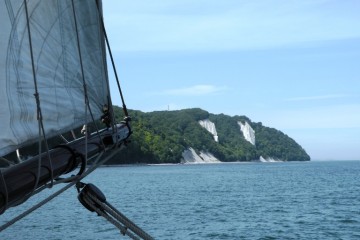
(196, 90)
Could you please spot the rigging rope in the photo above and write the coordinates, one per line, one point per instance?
(87, 102)
(83, 80)
(74, 156)
(112, 59)
(116, 215)
(127, 117)
(36, 206)
(94, 200)
(39, 112)
(75, 180)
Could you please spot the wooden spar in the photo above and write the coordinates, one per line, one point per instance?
(19, 180)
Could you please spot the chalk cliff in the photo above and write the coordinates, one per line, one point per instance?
(247, 131)
(269, 159)
(190, 156)
(210, 126)
(188, 136)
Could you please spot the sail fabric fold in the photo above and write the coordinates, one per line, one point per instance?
(57, 68)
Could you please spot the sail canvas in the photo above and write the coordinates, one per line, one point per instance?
(60, 83)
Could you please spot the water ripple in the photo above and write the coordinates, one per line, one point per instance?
(317, 200)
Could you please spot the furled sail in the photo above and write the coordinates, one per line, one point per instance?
(58, 74)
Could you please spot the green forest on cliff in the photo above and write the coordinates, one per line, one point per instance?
(162, 136)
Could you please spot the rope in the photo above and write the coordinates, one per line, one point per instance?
(87, 102)
(39, 112)
(76, 179)
(75, 155)
(96, 202)
(123, 229)
(9, 163)
(36, 206)
(112, 59)
(127, 222)
(63, 138)
(127, 117)
(83, 78)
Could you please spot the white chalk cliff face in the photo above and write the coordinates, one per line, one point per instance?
(190, 156)
(269, 159)
(248, 132)
(210, 126)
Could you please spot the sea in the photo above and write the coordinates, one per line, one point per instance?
(282, 200)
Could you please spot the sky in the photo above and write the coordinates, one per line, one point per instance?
(292, 65)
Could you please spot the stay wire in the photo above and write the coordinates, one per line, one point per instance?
(115, 217)
(112, 59)
(36, 206)
(100, 212)
(87, 102)
(76, 179)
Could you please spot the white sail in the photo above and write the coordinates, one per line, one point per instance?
(57, 67)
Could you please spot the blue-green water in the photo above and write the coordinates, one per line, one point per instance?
(299, 200)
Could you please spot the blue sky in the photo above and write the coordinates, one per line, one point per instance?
(292, 65)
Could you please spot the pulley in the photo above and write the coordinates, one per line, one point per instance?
(95, 201)
(91, 189)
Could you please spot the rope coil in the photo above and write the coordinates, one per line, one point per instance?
(75, 155)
